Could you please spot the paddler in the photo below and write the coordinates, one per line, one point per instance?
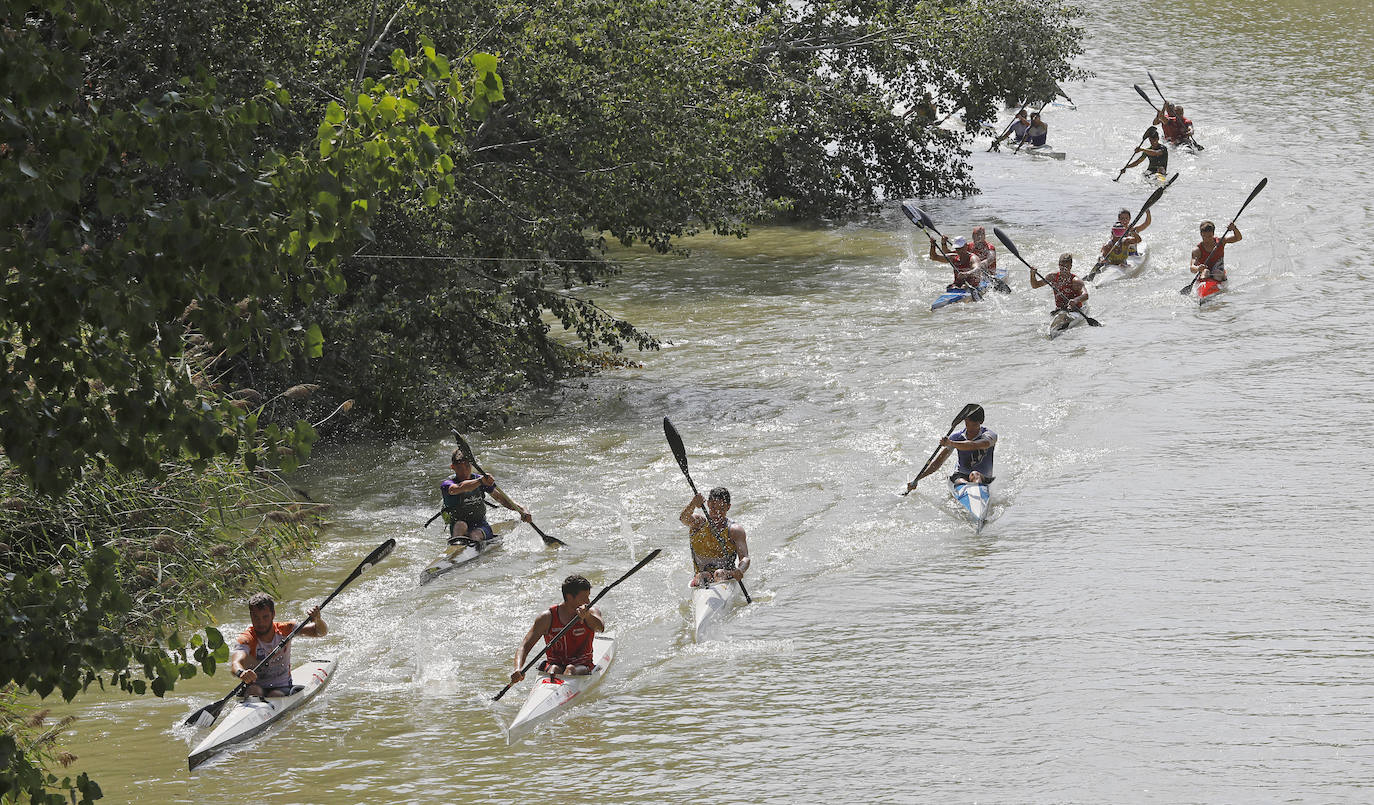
(720, 548)
(1038, 131)
(985, 252)
(465, 508)
(1070, 294)
(572, 654)
(967, 271)
(1125, 238)
(1178, 129)
(1154, 151)
(976, 445)
(253, 645)
(1209, 254)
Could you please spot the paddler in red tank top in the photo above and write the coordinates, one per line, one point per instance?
(1209, 255)
(968, 269)
(1069, 291)
(572, 654)
(1177, 128)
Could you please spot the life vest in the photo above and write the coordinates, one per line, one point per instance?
(1063, 289)
(716, 548)
(469, 507)
(573, 648)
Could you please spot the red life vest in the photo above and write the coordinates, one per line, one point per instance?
(1215, 257)
(1176, 128)
(573, 648)
(1063, 290)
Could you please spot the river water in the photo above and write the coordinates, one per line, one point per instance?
(1170, 604)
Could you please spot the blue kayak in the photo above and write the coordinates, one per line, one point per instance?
(974, 500)
(952, 295)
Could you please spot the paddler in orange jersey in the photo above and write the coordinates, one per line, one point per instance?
(572, 654)
(967, 271)
(253, 645)
(1069, 291)
(1178, 130)
(984, 252)
(1125, 238)
(1209, 254)
(720, 548)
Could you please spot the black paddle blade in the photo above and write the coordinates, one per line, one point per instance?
(675, 443)
(962, 415)
(1006, 241)
(206, 715)
(912, 212)
(463, 445)
(548, 540)
(926, 221)
(1143, 94)
(378, 554)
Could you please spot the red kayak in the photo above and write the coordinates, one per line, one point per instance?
(1208, 289)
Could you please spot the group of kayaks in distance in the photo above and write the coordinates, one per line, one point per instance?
(1125, 255)
(577, 650)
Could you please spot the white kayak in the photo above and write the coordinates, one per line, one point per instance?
(1134, 266)
(465, 551)
(550, 694)
(710, 605)
(1042, 151)
(1061, 321)
(253, 715)
(974, 500)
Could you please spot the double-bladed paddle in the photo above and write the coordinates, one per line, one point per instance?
(1122, 172)
(1191, 139)
(206, 715)
(680, 453)
(467, 451)
(1011, 247)
(642, 562)
(923, 222)
(1155, 196)
(1185, 289)
(962, 415)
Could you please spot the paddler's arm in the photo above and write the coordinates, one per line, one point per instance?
(1143, 225)
(1234, 237)
(316, 626)
(741, 544)
(592, 617)
(538, 630)
(504, 500)
(1196, 265)
(981, 443)
(238, 666)
(934, 466)
(689, 515)
(936, 256)
(1035, 281)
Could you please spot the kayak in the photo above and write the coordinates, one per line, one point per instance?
(550, 694)
(973, 499)
(1134, 267)
(254, 714)
(1208, 291)
(709, 606)
(1042, 151)
(1063, 320)
(952, 295)
(465, 551)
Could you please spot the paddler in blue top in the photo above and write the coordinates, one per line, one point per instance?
(975, 444)
(465, 508)
(251, 647)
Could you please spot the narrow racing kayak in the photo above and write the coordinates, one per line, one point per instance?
(1134, 266)
(550, 694)
(973, 499)
(1062, 321)
(465, 551)
(1042, 151)
(951, 295)
(254, 714)
(710, 605)
(1209, 291)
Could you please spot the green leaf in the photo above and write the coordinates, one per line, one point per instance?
(314, 342)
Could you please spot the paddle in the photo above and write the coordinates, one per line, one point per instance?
(1191, 139)
(467, 451)
(954, 423)
(1155, 196)
(1122, 172)
(1011, 247)
(1007, 130)
(206, 715)
(1066, 96)
(1185, 289)
(923, 222)
(642, 562)
(680, 453)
